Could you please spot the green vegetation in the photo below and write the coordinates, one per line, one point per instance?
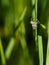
(20, 44)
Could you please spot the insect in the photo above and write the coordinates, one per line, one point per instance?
(34, 24)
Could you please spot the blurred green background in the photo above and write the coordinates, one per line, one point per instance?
(19, 43)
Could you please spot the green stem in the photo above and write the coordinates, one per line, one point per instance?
(35, 20)
(47, 58)
(34, 17)
(2, 54)
(40, 49)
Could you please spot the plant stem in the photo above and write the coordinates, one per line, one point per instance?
(40, 48)
(2, 54)
(47, 58)
(34, 17)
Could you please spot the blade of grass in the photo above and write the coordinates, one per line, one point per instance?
(23, 14)
(25, 51)
(24, 46)
(47, 57)
(2, 54)
(20, 19)
(40, 50)
(9, 48)
(11, 43)
(38, 46)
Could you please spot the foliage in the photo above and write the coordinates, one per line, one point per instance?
(19, 43)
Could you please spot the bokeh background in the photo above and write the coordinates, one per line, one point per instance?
(17, 37)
